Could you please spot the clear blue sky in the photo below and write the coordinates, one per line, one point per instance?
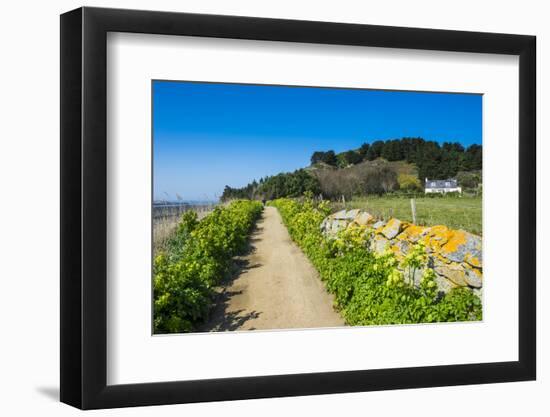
(208, 135)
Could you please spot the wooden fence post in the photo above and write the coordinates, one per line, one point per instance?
(413, 210)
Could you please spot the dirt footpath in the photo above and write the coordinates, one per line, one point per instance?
(276, 287)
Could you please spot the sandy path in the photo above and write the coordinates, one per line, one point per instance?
(276, 286)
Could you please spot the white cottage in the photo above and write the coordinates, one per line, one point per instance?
(441, 186)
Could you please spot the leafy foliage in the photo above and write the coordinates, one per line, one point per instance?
(371, 288)
(328, 157)
(199, 255)
(291, 184)
(408, 182)
(432, 159)
(348, 158)
(469, 180)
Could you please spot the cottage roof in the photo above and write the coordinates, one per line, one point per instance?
(449, 183)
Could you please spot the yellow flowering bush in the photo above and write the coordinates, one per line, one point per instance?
(415, 260)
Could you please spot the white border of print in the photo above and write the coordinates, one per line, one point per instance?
(135, 356)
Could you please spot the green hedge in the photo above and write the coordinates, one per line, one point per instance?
(370, 288)
(198, 256)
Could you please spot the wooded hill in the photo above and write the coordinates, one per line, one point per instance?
(373, 168)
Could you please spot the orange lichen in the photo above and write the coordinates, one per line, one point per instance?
(436, 236)
(405, 225)
(379, 230)
(411, 233)
(395, 249)
(472, 260)
(455, 255)
(456, 238)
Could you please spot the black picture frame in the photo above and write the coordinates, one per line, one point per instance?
(84, 207)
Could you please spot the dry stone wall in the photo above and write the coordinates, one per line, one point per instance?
(454, 255)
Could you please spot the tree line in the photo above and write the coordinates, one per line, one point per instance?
(287, 184)
(366, 172)
(431, 159)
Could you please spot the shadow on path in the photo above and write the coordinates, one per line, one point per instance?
(220, 318)
(272, 286)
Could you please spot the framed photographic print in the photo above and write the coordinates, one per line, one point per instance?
(258, 207)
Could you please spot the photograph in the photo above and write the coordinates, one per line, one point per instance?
(299, 207)
(283, 206)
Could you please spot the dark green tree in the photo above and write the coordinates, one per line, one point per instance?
(473, 157)
(330, 158)
(317, 157)
(363, 150)
(352, 157)
(375, 150)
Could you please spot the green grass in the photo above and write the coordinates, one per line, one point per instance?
(453, 212)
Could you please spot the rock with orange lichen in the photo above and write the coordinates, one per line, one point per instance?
(436, 236)
(462, 245)
(402, 246)
(411, 233)
(460, 274)
(454, 255)
(364, 218)
(453, 272)
(392, 228)
(377, 226)
(474, 277)
(474, 259)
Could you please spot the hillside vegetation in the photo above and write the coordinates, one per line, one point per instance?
(366, 178)
(372, 169)
(431, 159)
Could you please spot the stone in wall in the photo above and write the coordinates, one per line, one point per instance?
(392, 228)
(456, 256)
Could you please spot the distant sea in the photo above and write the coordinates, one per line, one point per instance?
(185, 202)
(175, 208)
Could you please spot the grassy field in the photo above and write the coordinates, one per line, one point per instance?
(456, 213)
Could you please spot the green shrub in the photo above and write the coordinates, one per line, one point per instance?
(469, 180)
(368, 287)
(409, 183)
(199, 255)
